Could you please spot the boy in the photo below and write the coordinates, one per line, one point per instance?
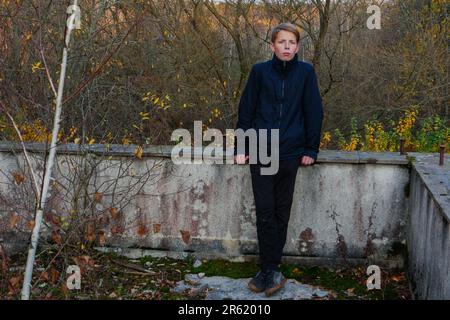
(281, 93)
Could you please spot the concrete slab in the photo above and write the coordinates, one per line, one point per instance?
(224, 288)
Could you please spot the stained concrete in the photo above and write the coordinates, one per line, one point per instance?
(349, 205)
(429, 228)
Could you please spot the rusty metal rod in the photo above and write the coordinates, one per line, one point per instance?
(402, 145)
(441, 154)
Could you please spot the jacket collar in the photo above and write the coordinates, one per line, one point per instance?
(283, 67)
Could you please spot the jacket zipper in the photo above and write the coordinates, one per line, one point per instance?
(282, 95)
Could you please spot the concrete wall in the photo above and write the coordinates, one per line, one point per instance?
(349, 206)
(429, 229)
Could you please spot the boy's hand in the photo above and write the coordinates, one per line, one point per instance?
(306, 161)
(240, 159)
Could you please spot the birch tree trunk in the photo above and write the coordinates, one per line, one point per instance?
(72, 22)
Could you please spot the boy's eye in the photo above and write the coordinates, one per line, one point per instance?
(282, 41)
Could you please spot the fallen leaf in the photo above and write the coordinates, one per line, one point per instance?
(114, 213)
(4, 262)
(44, 275)
(64, 289)
(138, 152)
(84, 262)
(98, 197)
(13, 284)
(53, 219)
(156, 227)
(18, 177)
(185, 236)
(54, 274)
(398, 278)
(56, 236)
(30, 225)
(13, 220)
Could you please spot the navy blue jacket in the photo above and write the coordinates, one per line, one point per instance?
(284, 95)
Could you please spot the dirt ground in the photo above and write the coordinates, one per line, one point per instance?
(109, 276)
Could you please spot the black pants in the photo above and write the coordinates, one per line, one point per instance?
(273, 200)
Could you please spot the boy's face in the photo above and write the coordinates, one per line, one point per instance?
(285, 45)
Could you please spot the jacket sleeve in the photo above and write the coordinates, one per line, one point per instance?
(247, 106)
(313, 114)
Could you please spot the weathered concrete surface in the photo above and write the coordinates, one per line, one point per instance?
(429, 228)
(223, 288)
(350, 205)
(136, 253)
(339, 211)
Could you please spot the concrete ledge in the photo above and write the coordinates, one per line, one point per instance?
(436, 178)
(324, 156)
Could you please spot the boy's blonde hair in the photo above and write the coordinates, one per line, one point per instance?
(286, 26)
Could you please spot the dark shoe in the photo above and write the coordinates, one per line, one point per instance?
(258, 282)
(274, 282)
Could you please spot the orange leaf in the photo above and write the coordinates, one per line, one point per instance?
(185, 235)
(398, 278)
(90, 236)
(30, 225)
(54, 274)
(13, 220)
(83, 262)
(14, 284)
(64, 289)
(53, 219)
(44, 275)
(98, 197)
(114, 213)
(18, 177)
(56, 236)
(156, 227)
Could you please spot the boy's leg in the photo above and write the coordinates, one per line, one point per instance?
(284, 191)
(267, 231)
